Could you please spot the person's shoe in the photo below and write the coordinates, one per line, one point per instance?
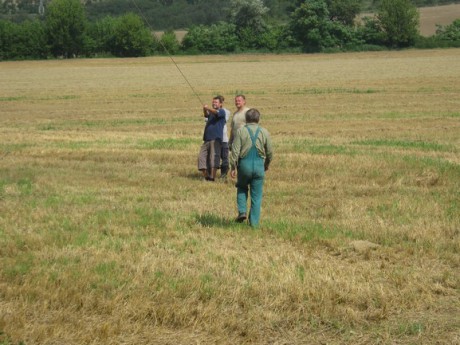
(241, 217)
(210, 179)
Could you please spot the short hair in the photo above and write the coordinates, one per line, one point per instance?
(242, 96)
(252, 116)
(220, 98)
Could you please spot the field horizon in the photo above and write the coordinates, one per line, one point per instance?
(429, 17)
(432, 16)
(108, 235)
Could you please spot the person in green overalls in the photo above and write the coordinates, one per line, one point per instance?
(251, 155)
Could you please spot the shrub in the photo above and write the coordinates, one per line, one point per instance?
(370, 32)
(450, 32)
(217, 38)
(101, 34)
(27, 40)
(65, 27)
(399, 21)
(169, 43)
(131, 37)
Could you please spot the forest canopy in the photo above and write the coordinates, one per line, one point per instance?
(178, 14)
(67, 29)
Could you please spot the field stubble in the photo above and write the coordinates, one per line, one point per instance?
(107, 234)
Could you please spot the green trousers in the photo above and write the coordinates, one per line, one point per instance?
(251, 174)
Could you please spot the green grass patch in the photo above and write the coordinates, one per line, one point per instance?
(146, 95)
(452, 210)
(63, 230)
(6, 340)
(322, 91)
(108, 277)
(22, 265)
(167, 144)
(13, 98)
(150, 218)
(210, 220)
(122, 122)
(392, 212)
(79, 144)
(331, 150)
(47, 127)
(406, 144)
(47, 98)
(115, 123)
(25, 186)
(410, 329)
(9, 148)
(59, 97)
(241, 92)
(68, 97)
(422, 115)
(83, 199)
(207, 289)
(306, 146)
(22, 184)
(308, 232)
(76, 145)
(441, 165)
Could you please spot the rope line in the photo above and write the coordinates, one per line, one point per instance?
(167, 51)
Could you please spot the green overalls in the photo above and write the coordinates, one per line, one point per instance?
(251, 175)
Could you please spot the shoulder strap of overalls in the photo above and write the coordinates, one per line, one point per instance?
(253, 136)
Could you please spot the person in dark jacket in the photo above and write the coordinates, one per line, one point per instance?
(209, 156)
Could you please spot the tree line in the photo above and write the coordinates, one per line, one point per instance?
(311, 26)
(174, 14)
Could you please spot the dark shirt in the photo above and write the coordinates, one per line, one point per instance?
(214, 129)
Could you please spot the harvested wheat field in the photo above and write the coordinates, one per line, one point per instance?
(437, 15)
(109, 236)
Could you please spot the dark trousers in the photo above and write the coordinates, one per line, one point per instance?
(224, 158)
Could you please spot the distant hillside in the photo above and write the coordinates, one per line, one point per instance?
(430, 16)
(180, 14)
(442, 15)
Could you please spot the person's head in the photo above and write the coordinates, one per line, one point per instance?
(252, 116)
(221, 99)
(240, 101)
(217, 102)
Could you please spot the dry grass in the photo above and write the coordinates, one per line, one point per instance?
(108, 236)
(437, 15)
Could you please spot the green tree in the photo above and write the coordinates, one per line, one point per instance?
(248, 13)
(8, 34)
(102, 33)
(178, 14)
(217, 38)
(131, 37)
(311, 25)
(370, 32)
(169, 43)
(33, 40)
(275, 38)
(22, 41)
(399, 21)
(344, 11)
(248, 18)
(65, 27)
(450, 32)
